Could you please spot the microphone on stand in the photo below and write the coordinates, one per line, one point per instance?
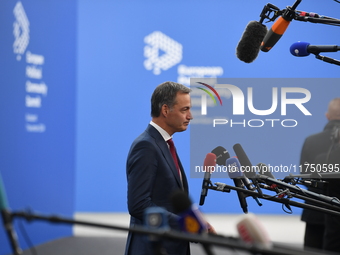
(303, 49)
(249, 170)
(221, 155)
(208, 166)
(235, 173)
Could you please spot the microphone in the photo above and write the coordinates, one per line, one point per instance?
(155, 218)
(248, 47)
(278, 28)
(209, 164)
(234, 171)
(252, 231)
(221, 155)
(249, 170)
(7, 220)
(263, 169)
(244, 160)
(238, 183)
(303, 49)
(190, 218)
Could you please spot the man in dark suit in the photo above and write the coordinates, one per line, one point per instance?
(153, 174)
(312, 147)
(331, 158)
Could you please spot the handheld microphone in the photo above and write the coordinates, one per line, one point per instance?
(235, 172)
(252, 231)
(7, 220)
(209, 164)
(248, 47)
(303, 49)
(278, 28)
(221, 155)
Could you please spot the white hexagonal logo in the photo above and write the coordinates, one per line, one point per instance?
(161, 51)
(21, 30)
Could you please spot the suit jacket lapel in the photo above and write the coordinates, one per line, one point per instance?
(166, 153)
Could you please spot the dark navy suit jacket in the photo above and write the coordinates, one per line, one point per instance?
(152, 177)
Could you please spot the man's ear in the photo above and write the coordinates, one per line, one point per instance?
(165, 110)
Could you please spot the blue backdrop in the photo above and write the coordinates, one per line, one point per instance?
(76, 92)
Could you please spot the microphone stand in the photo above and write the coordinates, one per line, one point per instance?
(328, 60)
(333, 210)
(205, 239)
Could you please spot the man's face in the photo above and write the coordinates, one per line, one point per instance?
(179, 115)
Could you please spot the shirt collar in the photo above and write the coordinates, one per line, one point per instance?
(163, 133)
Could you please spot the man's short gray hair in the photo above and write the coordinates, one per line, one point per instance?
(165, 93)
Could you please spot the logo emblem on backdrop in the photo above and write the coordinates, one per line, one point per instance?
(162, 52)
(21, 30)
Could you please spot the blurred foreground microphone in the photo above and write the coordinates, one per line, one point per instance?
(279, 27)
(191, 220)
(155, 218)
(249, 46)
(252, 231)
(208, 166)
(7, 220)
(235, 172)
(303, 49)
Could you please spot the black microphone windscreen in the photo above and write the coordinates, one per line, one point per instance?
(180, 201)
(248, 47)
(221, 155)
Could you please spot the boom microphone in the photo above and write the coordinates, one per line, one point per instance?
(303, 49)
(248, 47)
(209, 164)
(278, 28)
